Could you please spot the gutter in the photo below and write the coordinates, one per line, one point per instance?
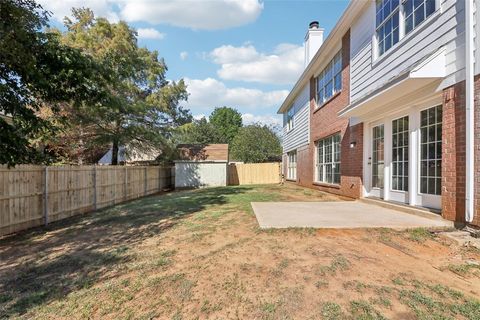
(469, 108)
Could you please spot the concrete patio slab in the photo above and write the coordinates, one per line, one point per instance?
(341, 214)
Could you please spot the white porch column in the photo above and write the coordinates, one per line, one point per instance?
(387, 158)
(367, 160)
(413, 156)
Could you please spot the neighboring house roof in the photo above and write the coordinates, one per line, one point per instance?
(354, 8)
(202, 152)
(132, 156)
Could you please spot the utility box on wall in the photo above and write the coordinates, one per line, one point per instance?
(198, 174)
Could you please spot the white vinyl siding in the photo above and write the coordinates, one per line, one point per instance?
(299, 135)
(444, 28)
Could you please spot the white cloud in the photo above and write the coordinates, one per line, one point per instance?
(209, 93)
(194, 14)
(62, 8)
(207, 15)
(231, 54)
(184, 55)
(271, 120)
(150, 33)
(245, 63)
(199, 116)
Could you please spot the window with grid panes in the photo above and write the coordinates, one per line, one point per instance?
(329, 82)
(416, 11)
(387, 24)
(290, 115)
(378, 159)
(400, 154)
(431, 150)
(292, 165)
(328, 160)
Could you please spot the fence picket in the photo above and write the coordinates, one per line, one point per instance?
(38, 195)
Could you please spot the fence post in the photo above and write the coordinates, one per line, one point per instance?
(159, 185)
(126, 178)
(45, 195)
(145, 182)
(94, 187)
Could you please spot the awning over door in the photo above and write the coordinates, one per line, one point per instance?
(423, 77)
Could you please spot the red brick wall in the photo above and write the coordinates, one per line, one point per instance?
(476, 220)
(325, 122)
(453, 153)
(303, 164)
(352, 162)
(454, 156)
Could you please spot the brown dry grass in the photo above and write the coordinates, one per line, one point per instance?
(200, 255)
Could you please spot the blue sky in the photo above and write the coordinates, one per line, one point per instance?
(245, 54)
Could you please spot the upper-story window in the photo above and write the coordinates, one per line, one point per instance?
(329, 81)
(387, 24)
(290, 114)
(396, 18)
(416, 11)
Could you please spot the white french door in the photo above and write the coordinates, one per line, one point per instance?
(430, 159)
(377, 161)
(405, 157)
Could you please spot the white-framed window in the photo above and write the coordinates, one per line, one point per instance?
(416, 11)
(400, 140)
(431, 150)
(387, 24)
(396, 18)
(290, 121)
(329, 81)
(328, 160)
(292, 165)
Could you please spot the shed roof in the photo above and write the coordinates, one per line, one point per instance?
(203, 152)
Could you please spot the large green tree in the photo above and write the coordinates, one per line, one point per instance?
(256, 143)
(221, 127)
(143, 107)
(227, 121)
(198, 132)
(36, 69)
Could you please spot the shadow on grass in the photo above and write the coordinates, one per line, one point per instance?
(36, 268)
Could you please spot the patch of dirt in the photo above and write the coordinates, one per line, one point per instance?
(215, 263)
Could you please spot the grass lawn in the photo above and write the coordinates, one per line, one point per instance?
(200, 255)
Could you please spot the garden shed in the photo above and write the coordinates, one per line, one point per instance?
(201, 165)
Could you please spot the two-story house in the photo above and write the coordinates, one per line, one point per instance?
(394, 107)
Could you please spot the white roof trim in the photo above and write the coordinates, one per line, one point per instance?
(342, 26)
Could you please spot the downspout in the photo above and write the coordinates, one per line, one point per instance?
(469, 106)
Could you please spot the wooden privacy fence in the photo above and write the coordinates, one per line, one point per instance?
(36, 195)
(254, 173)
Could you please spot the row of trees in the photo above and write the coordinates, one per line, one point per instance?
(251, 143)
(71, 95)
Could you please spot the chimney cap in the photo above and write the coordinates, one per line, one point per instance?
(314, 25)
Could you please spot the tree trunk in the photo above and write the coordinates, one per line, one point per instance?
(115, 152)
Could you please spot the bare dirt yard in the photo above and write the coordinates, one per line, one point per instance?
(200, 255)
